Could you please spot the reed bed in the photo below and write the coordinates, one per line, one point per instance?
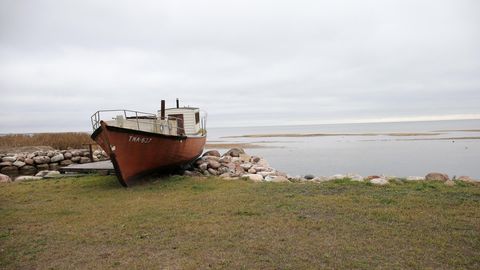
(59, 141)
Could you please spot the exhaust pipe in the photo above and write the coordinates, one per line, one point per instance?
(178, 104)
(162, 110)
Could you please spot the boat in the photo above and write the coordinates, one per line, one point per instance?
(140, 143)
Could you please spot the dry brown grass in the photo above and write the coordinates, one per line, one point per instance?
(56, 140)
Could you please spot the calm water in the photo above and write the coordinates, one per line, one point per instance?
(366, 155)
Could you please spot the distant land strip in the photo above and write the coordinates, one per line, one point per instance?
(332, 134)
(234, 145)
(460, 130)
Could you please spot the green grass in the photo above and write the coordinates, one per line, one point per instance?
(192, 223)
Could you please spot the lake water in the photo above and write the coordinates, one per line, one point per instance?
(451, 147)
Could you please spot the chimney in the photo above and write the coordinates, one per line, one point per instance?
(178, 104)
(162, 110)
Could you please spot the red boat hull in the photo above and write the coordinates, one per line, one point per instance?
(136, 153)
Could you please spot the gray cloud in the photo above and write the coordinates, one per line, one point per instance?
(245, 62)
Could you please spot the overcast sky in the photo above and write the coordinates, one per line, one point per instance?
(245, 62)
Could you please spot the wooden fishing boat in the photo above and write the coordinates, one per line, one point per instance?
(140, 143)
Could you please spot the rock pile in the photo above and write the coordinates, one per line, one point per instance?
(235, 164)
(14, 165)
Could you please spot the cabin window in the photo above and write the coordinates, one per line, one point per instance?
(197, 117)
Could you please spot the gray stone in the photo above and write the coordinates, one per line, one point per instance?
(11, 171)
(5, 178)
(28, 170)
(252, 170)
(244, 157)
(67, 155)
(465, 178)
(18, 163)
(309, 176)
(246, 166)
(355, 177)
(212, 171)
(50, 154)
(29, 161)
(42, 167)
(434, 176)
(42, 173)
(27, 178)
(254, 159)
(415, 178)
(84, 160)
(279, 179)
(52, 174)
(225, 159)
(234, 152)
(30, 155)
(57, 158)
(214, 153)
(5, 164)
(379, 181)
(41, 159)
(254, 177)
(53, 166)
(76, 159)
(338, 177)
(214, 164)
(66, 162)
(9, 159)
(449, 183)
(203, 166)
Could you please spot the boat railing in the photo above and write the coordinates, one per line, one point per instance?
(137, 120)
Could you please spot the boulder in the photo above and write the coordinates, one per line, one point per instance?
(27, 178)
(265, 174)
(465, 178)
(213, 153)
(67, 155)
(244, 157)
(29, 161)
(246, 166)
(30, 155)
(225, 159)
(254, 159)
(28, 170)
(254, 177)
(415, 178)
(52, 174)
(203, 166)
(18, 163)
(12, 171)
(338, 177)
(379, 181)
(279, 179)
(370, 177)
(5, 178)
(449, 183)
(9, 159)
(42, 173)
(213, 164)
(252, 170)
(75, 159)
(66, 162)
(434, 176)
(57, 158)
(309, 176)
(53, 166)
(5, 164)
(212, 171)
(41, 159)
(41, 167)
(234, 152)
(355, 177)
(84, 160)
(50, 154)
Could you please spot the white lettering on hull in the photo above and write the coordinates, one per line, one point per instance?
(137, 139)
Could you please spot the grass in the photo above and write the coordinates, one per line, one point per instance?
(194, 223)
(56, 140)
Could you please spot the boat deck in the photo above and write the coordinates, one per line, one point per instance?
(99, 166)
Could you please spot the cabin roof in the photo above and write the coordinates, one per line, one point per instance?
(182, 108)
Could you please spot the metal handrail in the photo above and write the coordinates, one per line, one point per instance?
(96, 118)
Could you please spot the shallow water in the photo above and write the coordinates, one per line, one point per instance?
(368, 154)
